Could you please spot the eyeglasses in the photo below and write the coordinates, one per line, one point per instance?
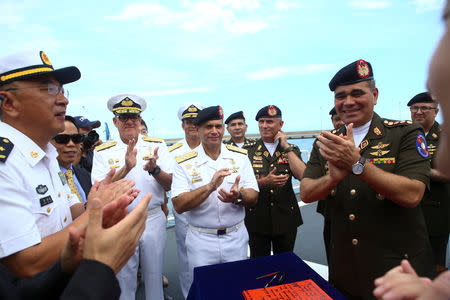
(422, 108)
(65, 138)
(52, 89)
(126, 117)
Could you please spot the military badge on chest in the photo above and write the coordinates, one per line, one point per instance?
(113, 163)
(283, 159)
(41, 189)
(234, 168)
(195, 176)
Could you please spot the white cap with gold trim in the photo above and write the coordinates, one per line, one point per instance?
(127, 104)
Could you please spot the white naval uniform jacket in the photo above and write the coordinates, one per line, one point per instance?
(112, 155)
(195, 169)
(35, 198)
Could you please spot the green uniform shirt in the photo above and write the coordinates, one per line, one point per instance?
(435, 202)
(371, 234)
(247, 143)
(277, 209)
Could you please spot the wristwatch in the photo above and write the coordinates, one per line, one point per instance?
(288, 149)
(239, 200)
(155, 171)
(358, 167)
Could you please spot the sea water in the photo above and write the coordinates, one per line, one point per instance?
(304, 144)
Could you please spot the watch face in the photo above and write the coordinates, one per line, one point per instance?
(357, 168)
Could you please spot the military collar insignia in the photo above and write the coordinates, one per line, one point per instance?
(41, 189)
(377, 131)
(434, 135)
(277, 153)
(34, 154)
(364, 144)
(266, 153)
(362, 69)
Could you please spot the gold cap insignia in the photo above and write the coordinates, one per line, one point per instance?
(220, 112)
(271, 111)
(45, 59)
(362, 69)
(127, 102)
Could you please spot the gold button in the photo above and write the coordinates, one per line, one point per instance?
(351, 217)
(333, 192)
(59, 194)
(352, 192)
(271, 203)
(48, 209)
(45, 158)
(65, 219)
(379, 196)
(271, 165)
(406, 256)
(355, 242)
(271, 191)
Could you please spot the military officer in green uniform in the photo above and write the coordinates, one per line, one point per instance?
(273, 222)
(435, 202)
(237, 128)
(373, 173)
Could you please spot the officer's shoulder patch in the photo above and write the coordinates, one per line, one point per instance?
(186, 156)
(152, 139)
(421, 146)
(237, 149)
(175, 146)
(6, 147)
(392, 123)
(105, 146)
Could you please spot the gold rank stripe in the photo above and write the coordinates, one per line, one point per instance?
(24, 73)
(186, 156)
(175, 146)
(380, 161)
(106, 146)
(152, 139)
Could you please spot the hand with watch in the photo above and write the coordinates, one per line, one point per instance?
(358, 167)
(151, 167)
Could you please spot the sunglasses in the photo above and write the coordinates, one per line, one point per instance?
(65, 138)
(126, 117)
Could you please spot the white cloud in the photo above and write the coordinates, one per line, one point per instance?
(269, 73)
(427, 5)
(285, 5)
(197, 16)
(364, 4)
(178, 91)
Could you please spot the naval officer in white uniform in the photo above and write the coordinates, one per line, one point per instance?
(147, 161)
(35, 200)
(186, 113)
(211, 185)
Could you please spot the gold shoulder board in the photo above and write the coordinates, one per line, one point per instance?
(152, 139)
(186, 156)
(175, 146)
(236, 149)
(6, 147)
(105, 146)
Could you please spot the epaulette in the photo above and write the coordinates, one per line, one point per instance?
(186, 156)
(6, 147)
(105, 146)
(388, 123)
(152, 139)
(175, 146)
(236, 149)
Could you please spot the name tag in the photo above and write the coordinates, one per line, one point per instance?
(46, 200)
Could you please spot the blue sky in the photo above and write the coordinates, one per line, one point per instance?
(241, 54)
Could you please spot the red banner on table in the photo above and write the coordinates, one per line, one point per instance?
(305, 290)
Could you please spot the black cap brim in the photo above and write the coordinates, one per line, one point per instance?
(65, 75)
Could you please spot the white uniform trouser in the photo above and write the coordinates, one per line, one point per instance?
(184, 275)
(150, 251)
(208, 249)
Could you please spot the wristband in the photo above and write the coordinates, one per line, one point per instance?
(155, 171)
